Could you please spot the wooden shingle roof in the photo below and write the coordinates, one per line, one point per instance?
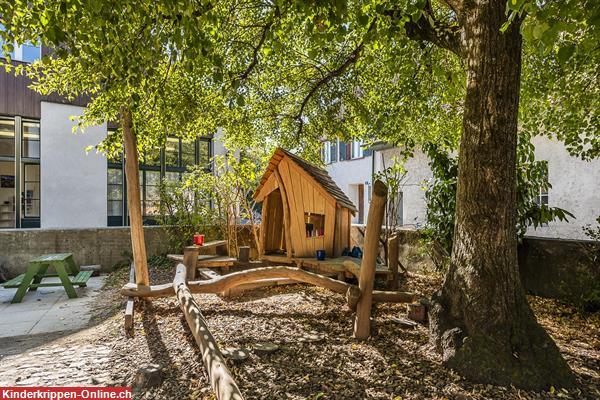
(318, 174)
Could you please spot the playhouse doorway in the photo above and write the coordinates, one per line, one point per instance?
(274, 237)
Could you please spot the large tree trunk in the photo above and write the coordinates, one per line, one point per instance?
(480, 319)
(134, 206)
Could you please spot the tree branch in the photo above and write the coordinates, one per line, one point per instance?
(243, 75)
(428, 29)
(351, 59)
(444, 36)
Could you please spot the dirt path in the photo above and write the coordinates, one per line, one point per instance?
(394, 364)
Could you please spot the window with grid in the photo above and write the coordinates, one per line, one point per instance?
(115, 192)
(31, 190)
(31, 139)
(7, 137)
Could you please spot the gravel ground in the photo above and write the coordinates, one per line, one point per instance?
(394, 364)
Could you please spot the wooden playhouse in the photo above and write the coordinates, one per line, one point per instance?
(303, 210)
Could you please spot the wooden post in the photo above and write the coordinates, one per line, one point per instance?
(286, 215)
(129, 307)
(244, 253)
(134, 205)
(190, 259)
(362, 323)
(219, 376)
(393, 261)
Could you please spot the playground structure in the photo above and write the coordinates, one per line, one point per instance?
(333, 235)
(303, 210)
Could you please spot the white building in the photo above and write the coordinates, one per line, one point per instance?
(575, 184)
(48, 180)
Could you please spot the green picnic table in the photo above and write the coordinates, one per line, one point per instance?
(65, 268)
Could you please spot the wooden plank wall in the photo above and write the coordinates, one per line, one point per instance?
(304, 196)
(16, 99)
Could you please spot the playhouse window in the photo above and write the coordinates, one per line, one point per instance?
(315, 224)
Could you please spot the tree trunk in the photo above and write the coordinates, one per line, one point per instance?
(134, 205)
(481, 322)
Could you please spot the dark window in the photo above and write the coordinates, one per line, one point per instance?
(115, 192)
(345, 151)
(178, 155)
(7, 137)
(31, 190)
(31, 139)
(151, 193)
(333, 151)
(172, 152)
(204, 152)
(188, 153)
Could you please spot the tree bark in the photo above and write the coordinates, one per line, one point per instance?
(480, 319)
(134, 205)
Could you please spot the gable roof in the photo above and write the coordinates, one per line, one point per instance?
(318, 174)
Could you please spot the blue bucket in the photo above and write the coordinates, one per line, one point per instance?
(320, 255)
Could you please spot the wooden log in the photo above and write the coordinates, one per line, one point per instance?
(393, 261)
(190, 259)
(129, 307)
(389, 296)
(223, 283)
(362, 322)
(216, 284)
(132, 175)
(219, 376)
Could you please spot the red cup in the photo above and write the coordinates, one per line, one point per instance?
(199, 240)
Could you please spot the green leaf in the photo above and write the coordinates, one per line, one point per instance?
(565, 53)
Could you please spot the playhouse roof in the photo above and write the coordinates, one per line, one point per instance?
(318, 174)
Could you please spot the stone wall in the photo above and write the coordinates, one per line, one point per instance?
(553, 268)
(104, 246)
(560, 269)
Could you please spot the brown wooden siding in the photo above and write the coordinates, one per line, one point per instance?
(16, 98)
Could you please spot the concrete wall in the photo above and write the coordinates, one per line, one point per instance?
(561, 269)
(103, 246)
(575, 188)
(73, 182)
(552, 268)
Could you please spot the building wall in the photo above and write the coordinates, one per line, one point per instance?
(348, 175)
(91, 246)
(73, 182)
(414, 209)
(575, 188)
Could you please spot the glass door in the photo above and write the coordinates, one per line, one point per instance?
(7, 174)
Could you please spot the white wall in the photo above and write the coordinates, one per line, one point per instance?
(414, 210)
(73, 182)
(346, 174)
(575, 188)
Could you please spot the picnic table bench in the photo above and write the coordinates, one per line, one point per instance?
(66, 270)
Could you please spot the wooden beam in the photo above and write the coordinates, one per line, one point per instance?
(221, 283)
(286, 215)
(134, 205)
(219, 376)
(190, 259)
(393, 261)
(129, 307)
(263, 226)
(362, 323)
